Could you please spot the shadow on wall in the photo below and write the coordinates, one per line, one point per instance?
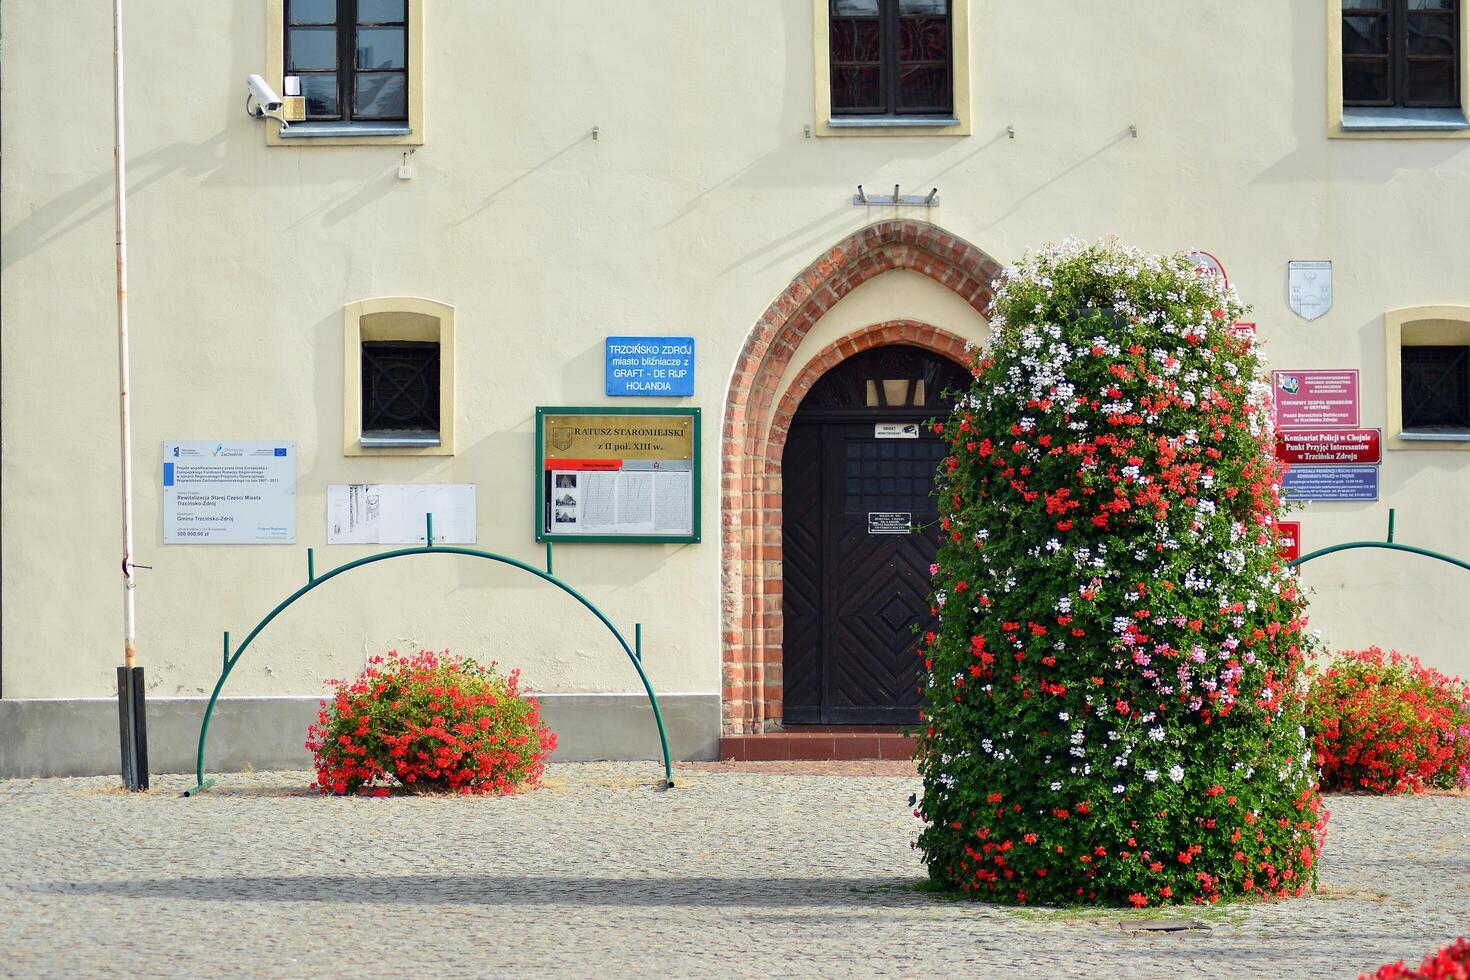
(93, 198)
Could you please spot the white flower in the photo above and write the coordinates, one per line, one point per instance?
(1055, 787)
(1062, 715)
(1156, 733)
(1118, 789)
(1177, 774)
(1152, 775)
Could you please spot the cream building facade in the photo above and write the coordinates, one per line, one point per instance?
(572, 171)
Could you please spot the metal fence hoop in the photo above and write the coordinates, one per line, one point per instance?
(635, 652)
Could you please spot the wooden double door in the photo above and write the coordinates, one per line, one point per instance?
(856, 578)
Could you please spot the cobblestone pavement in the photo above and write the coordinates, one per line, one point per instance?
(599, 874)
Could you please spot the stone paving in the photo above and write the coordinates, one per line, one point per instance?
(733, 873)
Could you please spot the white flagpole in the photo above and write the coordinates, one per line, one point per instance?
(130, 652)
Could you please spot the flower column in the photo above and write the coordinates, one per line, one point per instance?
(1112, 702)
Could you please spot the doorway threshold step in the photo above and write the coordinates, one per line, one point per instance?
(817, 744)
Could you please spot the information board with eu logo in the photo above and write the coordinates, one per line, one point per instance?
(230, 491)
(658, 366)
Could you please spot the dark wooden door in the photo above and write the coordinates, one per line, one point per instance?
(854, 590)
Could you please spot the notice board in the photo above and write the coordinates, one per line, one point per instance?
(615, 474)
(231, 491)
(394, 513)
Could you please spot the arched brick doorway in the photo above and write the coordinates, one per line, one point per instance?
(756, 424)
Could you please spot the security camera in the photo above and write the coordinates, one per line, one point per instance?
(267, 103)
(266, 98)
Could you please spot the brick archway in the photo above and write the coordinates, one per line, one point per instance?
(756, 423)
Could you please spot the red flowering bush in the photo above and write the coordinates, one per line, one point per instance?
(1113, 707)
(428, 722)
(1450, 963)
(1385, 723)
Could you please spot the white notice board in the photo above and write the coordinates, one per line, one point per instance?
(650, 500)
(393, 513)
(229, 492)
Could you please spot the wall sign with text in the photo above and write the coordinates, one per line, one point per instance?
(1289, 537)
(395, 513)
(1318, 447)
(1308, 399)
(229, 492)
(658, 366)
(1331, 483)
(612, 474)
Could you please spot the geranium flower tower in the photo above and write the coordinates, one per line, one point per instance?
(1112, 701)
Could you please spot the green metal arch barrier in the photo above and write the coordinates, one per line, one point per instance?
(635, 652)
(1387, 545)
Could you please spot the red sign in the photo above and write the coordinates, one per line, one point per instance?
(1289, 538)
(1242, 328)
(584, 464)
(1207, 264)
(1329, 447)
(1306, 399)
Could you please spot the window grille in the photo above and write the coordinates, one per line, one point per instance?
(1436, 388)
(400, 388)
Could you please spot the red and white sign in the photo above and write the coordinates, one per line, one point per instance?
(1289, 537)
(1207, 264)
(1329, 447)
(1241, 328)
(1310, 399)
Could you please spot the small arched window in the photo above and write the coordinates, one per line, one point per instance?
(1428, 377)
(398, 377)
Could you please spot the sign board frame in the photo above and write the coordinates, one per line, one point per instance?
(1289, 534)
(1332, 483)
(1207, 262)
(394, 520)
(225, 511)
(541, 509)
(650, 357)
(1296, 382)
(1336, 446)
(890, 522)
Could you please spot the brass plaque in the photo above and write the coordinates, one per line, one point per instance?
(668, 437)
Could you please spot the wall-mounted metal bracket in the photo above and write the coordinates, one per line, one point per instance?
(864, 199)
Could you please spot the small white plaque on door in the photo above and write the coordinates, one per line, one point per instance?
(896, 430)
(890, 521)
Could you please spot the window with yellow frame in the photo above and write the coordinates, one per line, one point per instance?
(1427, 377)
(892, 67)
(1396, 68)
(351, 71)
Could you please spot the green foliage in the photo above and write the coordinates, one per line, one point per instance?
(1112, 700)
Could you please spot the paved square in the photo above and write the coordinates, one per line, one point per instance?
(599, 873)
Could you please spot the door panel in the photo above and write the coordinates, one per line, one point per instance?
(801, 555)
(875, 585)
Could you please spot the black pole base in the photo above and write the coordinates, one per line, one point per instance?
(132, 728)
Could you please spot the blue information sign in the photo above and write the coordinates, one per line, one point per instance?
(1331, 483)
(650, 366)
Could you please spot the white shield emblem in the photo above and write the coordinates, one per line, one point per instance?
(1309, 288)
